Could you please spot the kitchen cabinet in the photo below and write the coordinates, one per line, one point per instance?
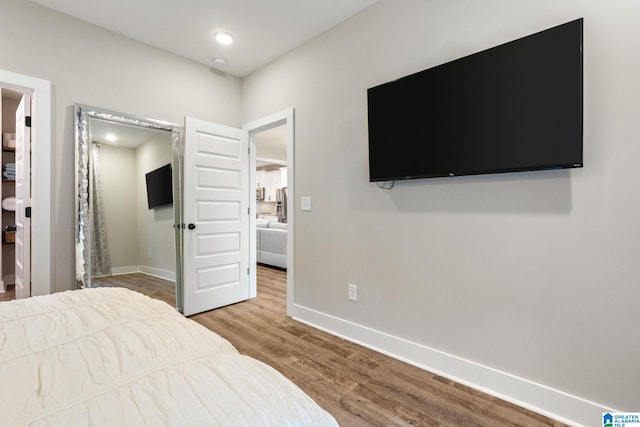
(259, 178)
(271, 184)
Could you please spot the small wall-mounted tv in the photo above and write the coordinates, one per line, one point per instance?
(514, 107)
(159, 187)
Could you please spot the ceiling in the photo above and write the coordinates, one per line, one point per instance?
(263, 29)
(126, 136)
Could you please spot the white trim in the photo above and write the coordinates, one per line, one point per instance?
(284, 117)
(129, 269)
(143, 269)
(41, 176)
(8, 279)
(253, 203)
(556, 404)
(158, 272)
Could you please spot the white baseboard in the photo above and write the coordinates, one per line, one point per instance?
(151, 271)
(544, 400)
(9, 279)
(115, 271)
(157, 272)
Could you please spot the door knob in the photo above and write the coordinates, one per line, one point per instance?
(191, 226)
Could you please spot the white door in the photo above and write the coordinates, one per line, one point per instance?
(216, 216)
(23, 198)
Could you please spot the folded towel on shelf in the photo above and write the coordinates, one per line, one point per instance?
(9, 171)
(9, 203)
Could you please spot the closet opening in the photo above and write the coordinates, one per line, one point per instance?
(15, 225)
(38, 242)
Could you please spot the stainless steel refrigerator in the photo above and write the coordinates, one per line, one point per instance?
(281, 204)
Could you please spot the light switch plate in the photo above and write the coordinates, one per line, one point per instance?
(305, 203)
(353, 292)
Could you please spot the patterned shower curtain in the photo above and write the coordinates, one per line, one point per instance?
(100, 260)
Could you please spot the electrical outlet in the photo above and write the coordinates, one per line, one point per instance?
(353, 292)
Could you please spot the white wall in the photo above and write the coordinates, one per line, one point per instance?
(157, 248)
(139, 238)
(119, 204)
(272, 143)
(532, 274)
(89, 65)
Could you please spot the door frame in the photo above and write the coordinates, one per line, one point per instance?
(82, 130)
(41, 175)
(284, 117)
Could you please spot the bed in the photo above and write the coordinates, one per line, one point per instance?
(114, 357)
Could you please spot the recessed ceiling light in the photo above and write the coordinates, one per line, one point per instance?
(110, 137)
(223, 37)
(219, 61)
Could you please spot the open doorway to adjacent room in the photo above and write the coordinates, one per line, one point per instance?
(271, 197)
(271, 142)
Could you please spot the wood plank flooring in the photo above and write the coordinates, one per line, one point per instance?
(151, 286)
(358, 386)
(9, 294)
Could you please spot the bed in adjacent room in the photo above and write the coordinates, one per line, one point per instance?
(111, 356)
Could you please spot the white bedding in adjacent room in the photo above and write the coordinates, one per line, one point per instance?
(114, 357)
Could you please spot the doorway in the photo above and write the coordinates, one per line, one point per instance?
(214, 185)
(10, 102)
(271, 197)
(15, 193)
(132, 235)
(123, 234)
(272, 169)
(41, 175)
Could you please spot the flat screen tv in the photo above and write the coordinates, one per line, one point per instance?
(159, 187)
(514, 107)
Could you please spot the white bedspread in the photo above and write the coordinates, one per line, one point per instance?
(113, 357)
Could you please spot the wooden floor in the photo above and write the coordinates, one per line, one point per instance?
(9, 294)
(154, 287)
(360, 387)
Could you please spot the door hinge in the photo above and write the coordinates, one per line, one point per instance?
(27, 212)
(248, 211)
(248, 273)
(27, 121)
